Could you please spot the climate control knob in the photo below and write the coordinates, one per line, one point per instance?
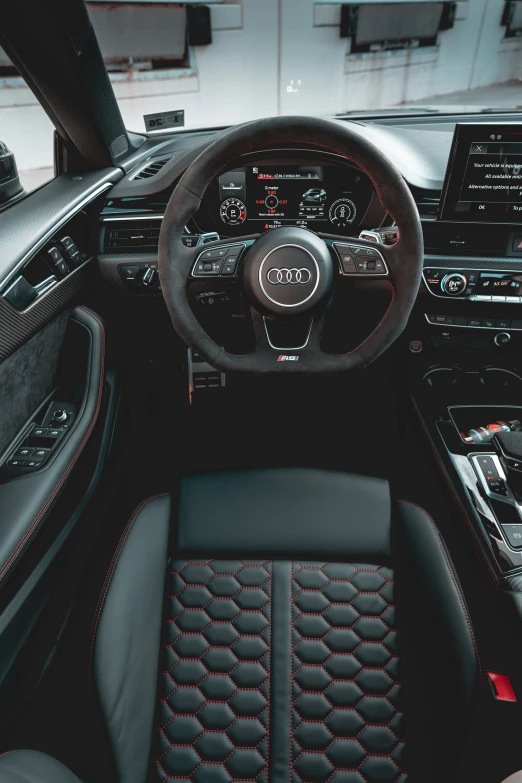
(454, 284)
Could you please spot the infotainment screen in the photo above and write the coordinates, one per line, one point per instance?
(484, 176)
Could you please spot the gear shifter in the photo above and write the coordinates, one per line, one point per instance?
(509, 445)
(481, 435)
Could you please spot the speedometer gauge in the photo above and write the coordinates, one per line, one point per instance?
(233, 212)
(342, 212)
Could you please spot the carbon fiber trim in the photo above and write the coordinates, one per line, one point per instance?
(16, 327)
(472, 262)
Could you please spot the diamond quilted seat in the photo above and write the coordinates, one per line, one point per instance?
(280, 626)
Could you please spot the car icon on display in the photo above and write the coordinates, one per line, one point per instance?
(314, 196)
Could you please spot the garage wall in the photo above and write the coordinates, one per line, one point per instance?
(283, 56)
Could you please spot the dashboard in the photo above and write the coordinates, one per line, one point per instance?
(472, 282)
(286, 188)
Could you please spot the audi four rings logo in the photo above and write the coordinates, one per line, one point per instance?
(292, 276)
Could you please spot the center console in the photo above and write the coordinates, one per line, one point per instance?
(466, 385)
(471, 412)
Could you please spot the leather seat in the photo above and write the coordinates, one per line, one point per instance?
(304, 626)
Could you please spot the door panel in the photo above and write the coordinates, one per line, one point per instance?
(50, 350)
(26, 377)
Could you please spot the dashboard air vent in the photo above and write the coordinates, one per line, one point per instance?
(427, 201)
(131, 236)
(152, 169)
(428, 207)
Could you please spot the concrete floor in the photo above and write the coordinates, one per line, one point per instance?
(496, 96)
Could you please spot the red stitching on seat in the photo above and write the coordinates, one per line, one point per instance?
(112, 569)
(36, 521)
(452, 572)
(391, 686)
(263, 688)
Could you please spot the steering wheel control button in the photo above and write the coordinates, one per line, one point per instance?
(360, 260)
(454, 284)
(348, 265)
(211, 268)
(366, 252)
(216, 252)
(218, 261)
(229, 267)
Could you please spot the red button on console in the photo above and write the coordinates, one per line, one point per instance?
(502, 688)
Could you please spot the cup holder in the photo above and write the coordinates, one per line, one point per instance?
(501, 378)
(491, 378)
(443, 377)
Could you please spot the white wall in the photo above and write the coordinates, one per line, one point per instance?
(285, 56)
(333, 80)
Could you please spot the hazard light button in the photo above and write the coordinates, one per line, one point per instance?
(517, 243)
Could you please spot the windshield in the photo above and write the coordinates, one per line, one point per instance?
(222, 63)
(212, 64)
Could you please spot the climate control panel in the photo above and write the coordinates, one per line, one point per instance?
(475, 285)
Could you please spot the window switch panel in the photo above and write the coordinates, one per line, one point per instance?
(24, 452)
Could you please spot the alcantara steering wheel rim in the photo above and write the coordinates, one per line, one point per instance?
(404, 259)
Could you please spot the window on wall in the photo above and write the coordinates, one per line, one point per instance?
(25, 128)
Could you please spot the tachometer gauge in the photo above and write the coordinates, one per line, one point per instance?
(233, 212)
(342, 212)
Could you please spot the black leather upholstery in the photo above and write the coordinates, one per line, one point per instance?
(127, 633)
(288, 511)
(296, 665)
(346, 706)
(215, 685)
(30, 766)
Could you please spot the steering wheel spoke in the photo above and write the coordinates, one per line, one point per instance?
(295, 343)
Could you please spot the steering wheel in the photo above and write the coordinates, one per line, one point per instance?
(291, 271)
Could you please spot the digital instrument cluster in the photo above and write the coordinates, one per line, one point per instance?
(262, 197)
